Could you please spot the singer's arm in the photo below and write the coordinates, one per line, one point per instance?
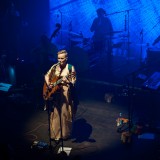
(71, 78)
(48, 74)
(46, 78)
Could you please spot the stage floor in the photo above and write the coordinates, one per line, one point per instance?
(95, 129)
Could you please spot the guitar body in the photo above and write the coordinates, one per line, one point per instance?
(48, 92)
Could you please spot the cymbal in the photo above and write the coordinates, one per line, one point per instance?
(116, 31)
(71, 33)
(76, 39)
(75, 34)
(111, 37)
(142, 44)
(123, 36)
(115, 37)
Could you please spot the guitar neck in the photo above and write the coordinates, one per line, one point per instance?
(59, 81)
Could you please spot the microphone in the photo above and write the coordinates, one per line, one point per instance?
(56, 64)
(141, 32)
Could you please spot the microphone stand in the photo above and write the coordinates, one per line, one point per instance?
(130, 94)
(47, 105)
(130, 107)
(48, 108)
(126, 28)
(130, 89)
(128, 34)
(119, 12)
(141, 49)
(61, 152)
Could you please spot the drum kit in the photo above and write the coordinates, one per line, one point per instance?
(77, 39)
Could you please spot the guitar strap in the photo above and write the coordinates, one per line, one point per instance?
(70, 68)
(74, 94)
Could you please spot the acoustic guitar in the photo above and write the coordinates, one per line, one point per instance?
(47, 91)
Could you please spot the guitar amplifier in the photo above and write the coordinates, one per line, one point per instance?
(153, 82)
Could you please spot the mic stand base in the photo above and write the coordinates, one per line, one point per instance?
(64, 151)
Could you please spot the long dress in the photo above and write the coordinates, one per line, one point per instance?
(61, 116)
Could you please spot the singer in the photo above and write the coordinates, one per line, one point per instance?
(62, 110)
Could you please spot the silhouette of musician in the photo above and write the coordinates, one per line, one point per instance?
(103, 32)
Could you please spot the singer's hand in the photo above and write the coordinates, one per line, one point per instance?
(73, 74)
(65, 80)
(50, 85)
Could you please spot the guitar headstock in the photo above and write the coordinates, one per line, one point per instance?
(55, 32)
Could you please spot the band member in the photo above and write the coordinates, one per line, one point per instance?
(103, 32)
(60, 81)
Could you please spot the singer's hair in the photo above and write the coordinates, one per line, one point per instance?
(63, 52)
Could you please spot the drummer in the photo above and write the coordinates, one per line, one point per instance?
(103, 32)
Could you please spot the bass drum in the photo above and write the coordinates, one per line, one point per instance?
(79, 58)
